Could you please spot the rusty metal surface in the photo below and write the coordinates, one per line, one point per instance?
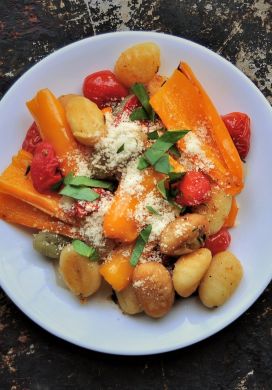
(239, 357)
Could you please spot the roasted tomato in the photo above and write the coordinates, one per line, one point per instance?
(32, 139)
(219, 241)
(238, 125)
(194, 189)
(45, 170)
(103, 88)
(82, 208)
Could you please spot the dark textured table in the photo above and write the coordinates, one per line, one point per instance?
(239, 357)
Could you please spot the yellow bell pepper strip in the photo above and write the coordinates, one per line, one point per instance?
(50, 118)
(117, 270)
(15, 211)
(182, 103)
(231, 218)
(118, 222)
(14, 182)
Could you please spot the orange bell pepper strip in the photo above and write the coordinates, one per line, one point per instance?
(15, 211)
(231, 218)
(14, 182)
(182, 103)
(117, 270)
(118, 222)
(50, 118)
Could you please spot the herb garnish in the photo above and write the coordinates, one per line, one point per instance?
(85, 181)
(85, 250)
(79, 193)
(142, 164)
(27, 170)
(163, 165)
(121, 148)
(153, 135)
(139, 90)
(152, 210)
(139, 114)
(140, 244)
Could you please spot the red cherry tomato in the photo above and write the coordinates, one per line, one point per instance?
(194, 189)
(238, 125)
(45, 170)
(219, 241)
(103, 88)
(32, 139)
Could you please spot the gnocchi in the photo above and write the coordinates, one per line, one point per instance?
(138, 64)
(128, 301)
(221, 279)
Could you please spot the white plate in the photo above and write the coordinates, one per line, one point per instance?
(30, 280)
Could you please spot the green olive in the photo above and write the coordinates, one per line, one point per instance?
(49, 244)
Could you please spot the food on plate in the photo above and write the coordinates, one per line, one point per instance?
(133, 184)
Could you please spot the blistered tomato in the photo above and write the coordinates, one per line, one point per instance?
(45, 170)
(238, 125)
(103, 88)
(32, 139)
(218, 242)
(194, 189)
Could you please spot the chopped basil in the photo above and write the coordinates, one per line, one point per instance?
(139, 114)
(56, 186)
(121, 149)
(27, 170)
(161, 188)
(163, 144)
(85, 250)
(175, 176)
(79, 181)
(152, 210)
(80, 193)
(142, 164)
(139, 90)
(140, 244)
(163, 165)
(153, 135)
(174, 151)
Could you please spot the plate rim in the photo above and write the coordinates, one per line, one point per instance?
(232, 317)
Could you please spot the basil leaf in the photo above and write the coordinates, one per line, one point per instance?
(142, 164)
(85, 181)
(161, 188)
(140, 244)
(152, 210)
(27, 170)
(56, 186)
(139, 114)
(174, 151)
(162, 145)
(85, 250)
(175, 176)
(80, 193)
(139, 90)
(153, 135)
(163, 165)
(122, 147)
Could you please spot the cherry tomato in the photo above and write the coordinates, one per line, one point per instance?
(219, 241)
(32, 139)
(194, 189)
(45, 170)
(103, 88)
(238, 125)
(126, 107)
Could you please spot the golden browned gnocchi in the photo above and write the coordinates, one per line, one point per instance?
(189, 270)
(128, 301)
(153, 287)
(79, 274)
(138, 64)
(86, 120)
(183, 235)
(221, 279)
(64, 99)
(216, 210)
